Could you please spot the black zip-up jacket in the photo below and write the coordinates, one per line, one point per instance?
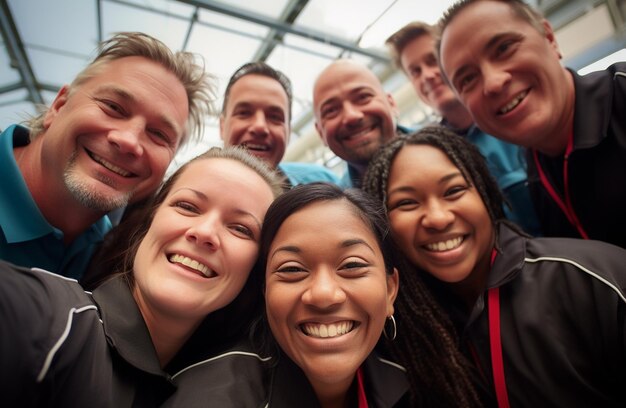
(563, 320)
(597, 165)
(241, 378)
(62, 347)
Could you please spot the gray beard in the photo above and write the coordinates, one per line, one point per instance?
(89, 198)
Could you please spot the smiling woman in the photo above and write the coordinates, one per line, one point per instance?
(183, 294)
(542, 318)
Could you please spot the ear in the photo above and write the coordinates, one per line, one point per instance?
(393, 283)
(551, 37)
(319, 132)
(394, 107)
(59, 101)
(222, 128)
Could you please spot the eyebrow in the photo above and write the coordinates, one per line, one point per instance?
(123, 94)
(343, 244)
(442, 180)
(236, 210)
(493, 41)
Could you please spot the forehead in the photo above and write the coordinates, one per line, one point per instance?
(343, 78)
(499, 14)
(419, 46)
(335, 220)
(427, 158)
(258, 90)
(228, 177)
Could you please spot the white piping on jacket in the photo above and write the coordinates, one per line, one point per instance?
(230, 353)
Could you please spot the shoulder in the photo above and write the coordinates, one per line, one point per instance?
(233, 378)
(303, 173)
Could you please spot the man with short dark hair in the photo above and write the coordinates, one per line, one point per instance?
(256, 114)
(503, 61)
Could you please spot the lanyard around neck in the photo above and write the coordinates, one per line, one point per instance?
(495, 343)
(361, 388)
(566, 206)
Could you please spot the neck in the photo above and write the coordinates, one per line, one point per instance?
(457, 116)
(168, 332)
(335, 392)
(52, 197)
(556, 138)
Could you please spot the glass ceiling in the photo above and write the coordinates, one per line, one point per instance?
(45, 44)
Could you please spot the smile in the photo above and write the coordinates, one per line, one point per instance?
(445, 245)
(360, 133)
(192, 264)
(110, 166)
(324, 331)
(514, 102)
(255, 147)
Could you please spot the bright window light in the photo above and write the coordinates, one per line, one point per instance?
(604, 62)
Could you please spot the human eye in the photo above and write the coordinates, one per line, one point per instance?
(290, 271)
(277, 117)
(185, 207)
(456, 191)
(403, 204)
(415, 72)
(364, 97)
(504, 47)
(466, 82)
(111, 108)
(330, 112)
(242, 112)
(354, 267)
(242, 231)
(160, 137)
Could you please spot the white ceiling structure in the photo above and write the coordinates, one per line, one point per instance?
(45, 43)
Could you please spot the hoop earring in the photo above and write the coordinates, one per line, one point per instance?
(394, 328)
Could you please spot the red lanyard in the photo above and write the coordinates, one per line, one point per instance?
(566, 206)
(495, 342)
(361, 389)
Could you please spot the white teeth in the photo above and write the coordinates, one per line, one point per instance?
(327, 330)
(444, 245)
(359, 133)
(193, 264)
(110, 166)
(509, 106)
(253, 146)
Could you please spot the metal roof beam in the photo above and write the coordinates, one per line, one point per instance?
(290, 13)
(17, 53)
(284, 28)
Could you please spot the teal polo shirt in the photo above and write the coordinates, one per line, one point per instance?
(26, 238)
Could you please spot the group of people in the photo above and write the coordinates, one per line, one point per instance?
(473, 262)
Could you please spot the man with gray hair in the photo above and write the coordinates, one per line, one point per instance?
(105, 142)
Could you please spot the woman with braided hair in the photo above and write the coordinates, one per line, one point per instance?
(543, 319)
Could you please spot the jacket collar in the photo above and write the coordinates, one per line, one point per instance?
(592, 107)
(124, 326)
(385, 384)
(506, 268)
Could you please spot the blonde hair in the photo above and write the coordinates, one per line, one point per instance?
(198, 84)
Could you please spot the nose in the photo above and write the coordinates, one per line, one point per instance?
(127, 139)
(205, 232)
(324, 290)
(494, 79)
(430, 72)
(437, 217)
(259, 125)
(351, 114)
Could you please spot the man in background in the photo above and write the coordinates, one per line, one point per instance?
(256, 114)
(353, 115)
(413, 51)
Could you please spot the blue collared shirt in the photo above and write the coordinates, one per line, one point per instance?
(26, 237)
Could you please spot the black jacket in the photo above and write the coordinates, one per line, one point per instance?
(241, 378)
(596, 166)
(563, 320)
(60, 348)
